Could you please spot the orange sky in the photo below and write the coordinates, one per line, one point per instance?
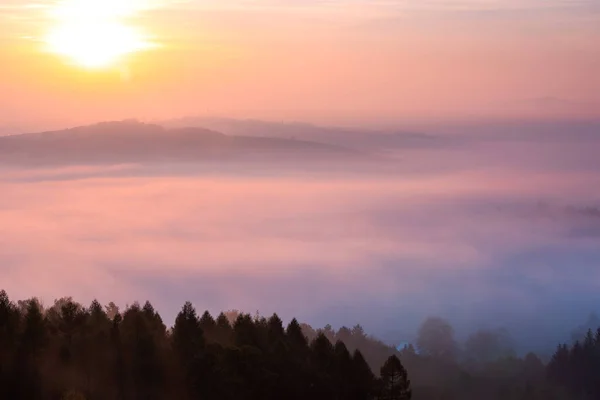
(328, 62)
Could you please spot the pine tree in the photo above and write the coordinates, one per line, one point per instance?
(188, 344)
(275, 329)
(343, 370)
(323, 368)
(142, 332)
(187, 335)
(9, 329)
(32, 342)
(363, 379)
(208, 326)
(224, 331)
(118, 360)
(94, 354)
(394, 379)
(295, 337)
(245, 332)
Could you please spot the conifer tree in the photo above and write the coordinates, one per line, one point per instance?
(394, 379)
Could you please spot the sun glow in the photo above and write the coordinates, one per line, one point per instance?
(93, 33)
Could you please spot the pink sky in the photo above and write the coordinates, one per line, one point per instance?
(328, 62)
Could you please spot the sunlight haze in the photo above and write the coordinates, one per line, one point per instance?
(92, 33)
(81, 61)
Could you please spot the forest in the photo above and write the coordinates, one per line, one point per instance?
(72, 352)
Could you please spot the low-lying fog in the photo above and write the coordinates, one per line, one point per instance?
(487, 233)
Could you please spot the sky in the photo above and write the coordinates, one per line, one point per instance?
(335, 61)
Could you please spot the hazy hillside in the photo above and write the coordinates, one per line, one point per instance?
(349, 137)
(132, 141)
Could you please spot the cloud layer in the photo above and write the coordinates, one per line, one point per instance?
(497, 234)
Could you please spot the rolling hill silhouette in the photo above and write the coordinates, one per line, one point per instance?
(133, 141)
(365, 140)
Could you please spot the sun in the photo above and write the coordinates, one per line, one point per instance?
(93, 33)
(95, 45)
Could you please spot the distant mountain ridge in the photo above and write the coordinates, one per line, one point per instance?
(363, 139)
(133, 141)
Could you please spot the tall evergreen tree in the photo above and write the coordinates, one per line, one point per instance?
(142, 332)
(363, 378)
(209, 327)
(295, 337)
(32, 342)
(118, 359)
(9, 329)
(224, 330)
(343, 371)
(395, 384)
(188, 343)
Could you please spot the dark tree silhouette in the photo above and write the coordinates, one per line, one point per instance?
(209, 326)
(69, 351)
(187, 339)
(31, 347)
(395, 384)
(577, 368)
(363, 379)
(224, 331)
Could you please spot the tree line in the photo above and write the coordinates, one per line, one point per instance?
(576, 368)
(71, 352)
